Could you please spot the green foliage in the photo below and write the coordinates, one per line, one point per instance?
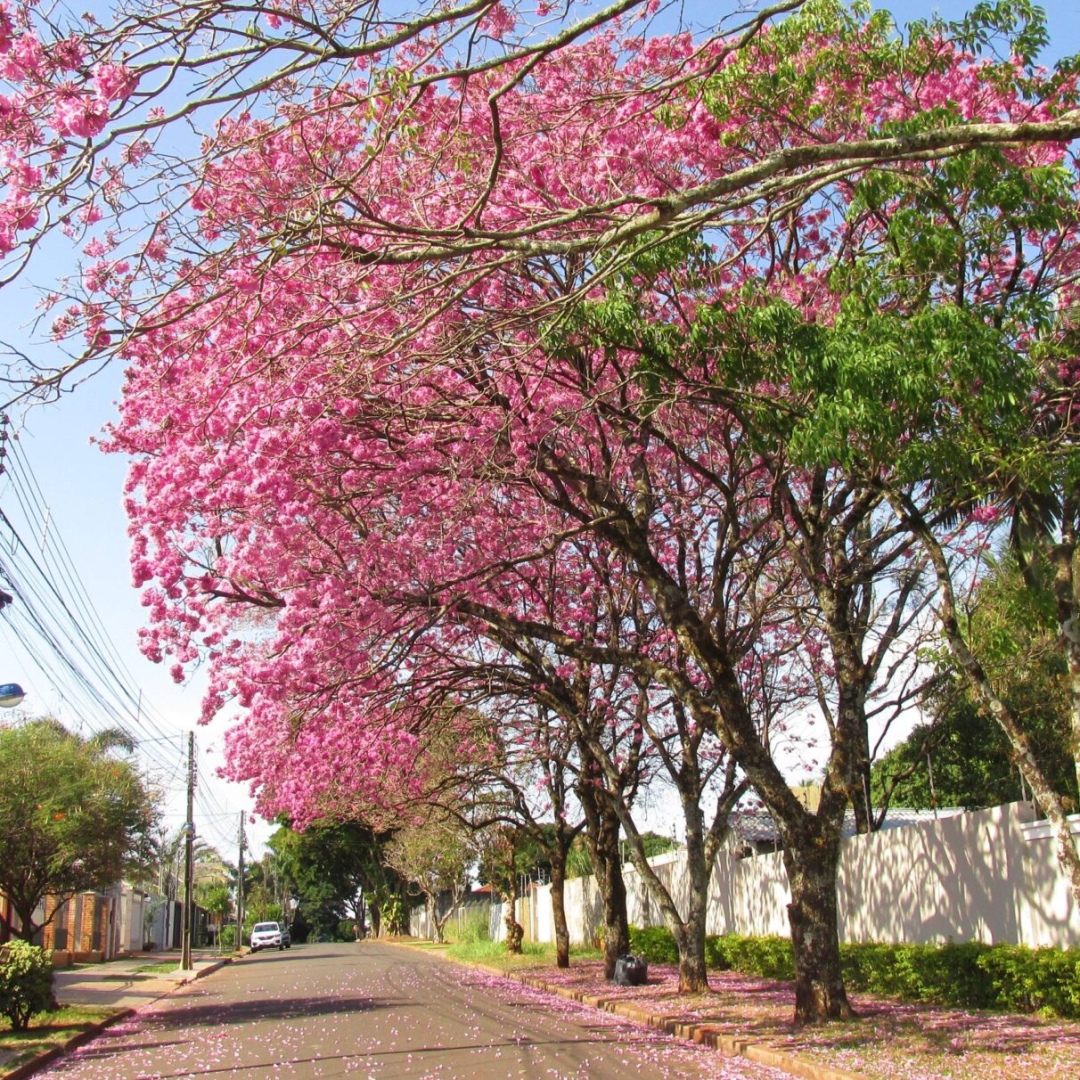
(394, 916)
(766, 957)
(217, 900)
(475, 928)
(494, 952)
(1014, 631)
(1020, 22)
(26, 977)
(1044, 980)
(653, 843)
(654, 943)
(228, 936)
(942, 974)
(73, 815)
(780, 68)
(328, 867)
(970, 762)
(261, 907)
(579, 859)
(716, 956)
(970, 975)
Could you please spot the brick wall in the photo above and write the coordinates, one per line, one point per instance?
(80, 926)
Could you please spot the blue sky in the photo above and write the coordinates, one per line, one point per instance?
(83, 490)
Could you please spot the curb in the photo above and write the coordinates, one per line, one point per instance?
(703, 1034)
(28, 1068)
(210, 968)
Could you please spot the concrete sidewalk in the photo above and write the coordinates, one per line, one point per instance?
(125, 984)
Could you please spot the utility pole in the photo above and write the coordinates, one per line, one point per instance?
(189, 861)
(240, 890)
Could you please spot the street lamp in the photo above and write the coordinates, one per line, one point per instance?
(11, 694)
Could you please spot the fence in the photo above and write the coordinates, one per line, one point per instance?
(991, 875)
(472, 910)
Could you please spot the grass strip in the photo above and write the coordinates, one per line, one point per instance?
(47, 1031)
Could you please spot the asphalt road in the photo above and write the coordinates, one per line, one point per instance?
(379, 1012)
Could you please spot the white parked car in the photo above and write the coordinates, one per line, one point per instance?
(266, 935)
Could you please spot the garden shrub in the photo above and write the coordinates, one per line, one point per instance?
(942, 974)
(654, 943)
(969, 975)
(767, 957)
(26, 978)
(1034, 979)
(716, 957)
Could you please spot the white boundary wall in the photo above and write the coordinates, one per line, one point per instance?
(972, 877)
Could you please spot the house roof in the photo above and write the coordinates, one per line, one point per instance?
(757, 826)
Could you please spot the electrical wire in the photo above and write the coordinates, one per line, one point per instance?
(57, 570)
(56, 623)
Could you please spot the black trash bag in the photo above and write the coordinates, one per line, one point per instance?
(630, 970)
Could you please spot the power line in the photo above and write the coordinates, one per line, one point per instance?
(56, 622)
(59, 557)
(56, 565)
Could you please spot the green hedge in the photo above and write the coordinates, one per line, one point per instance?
(941, 974)
(654, 943)
(970, 975)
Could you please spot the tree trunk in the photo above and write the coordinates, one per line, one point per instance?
(376, 919)
(602, 833)
(616, 925)
(860, 792)
(515, 932)
(1066, 588)
(1049, 800)
(693, 977)
(27, 928)
(688, 932)
(690, 940)
(558, 915)
(434, 926)
(456, 895)
(813, 917)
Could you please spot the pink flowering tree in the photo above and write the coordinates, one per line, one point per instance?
(958, 321)
(409, 337)
(434, 144)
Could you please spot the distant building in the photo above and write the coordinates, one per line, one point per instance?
(753, 832)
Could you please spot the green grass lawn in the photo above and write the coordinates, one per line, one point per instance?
(47, 1030)
(533, 954)
(163, 968)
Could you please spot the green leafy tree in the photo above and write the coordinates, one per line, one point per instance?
(435, 858)
(217, 900)
(261, 906)
(337, 872)
(73, 816)
(964, 759)
(506, 855)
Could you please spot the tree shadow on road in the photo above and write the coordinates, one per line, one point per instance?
(257, 1009)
